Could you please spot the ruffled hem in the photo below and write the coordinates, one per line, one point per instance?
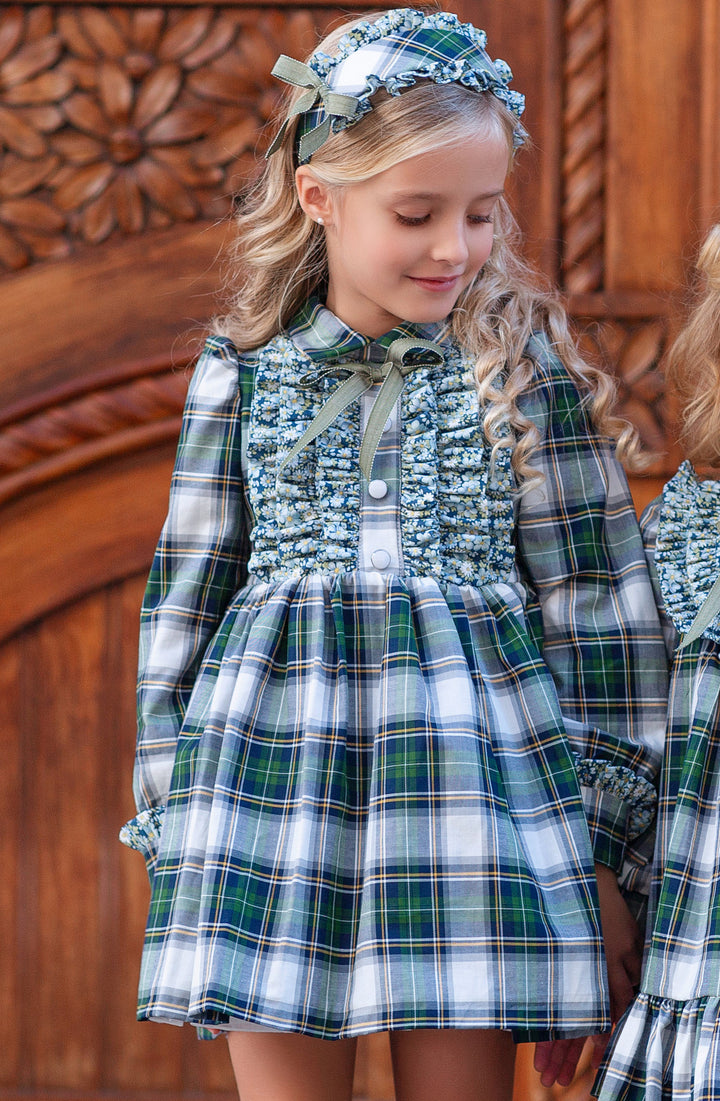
(664, 1049)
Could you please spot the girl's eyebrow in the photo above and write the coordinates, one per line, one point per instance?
(428, 195)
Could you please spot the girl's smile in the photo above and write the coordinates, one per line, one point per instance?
(404, 244)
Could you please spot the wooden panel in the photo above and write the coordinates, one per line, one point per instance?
(13, 897)
(102, 526)
(653, 142)
(709, 139)
(83, 896)
(116, 312)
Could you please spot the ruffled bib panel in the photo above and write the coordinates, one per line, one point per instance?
(457, 517)
(687, 551)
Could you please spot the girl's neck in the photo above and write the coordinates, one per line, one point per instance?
(707, 473)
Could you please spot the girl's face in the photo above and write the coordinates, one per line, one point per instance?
(403, 245)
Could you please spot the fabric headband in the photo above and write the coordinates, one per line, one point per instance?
(393, 53)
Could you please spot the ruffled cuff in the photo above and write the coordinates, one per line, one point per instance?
(619, 806)
(143, 833)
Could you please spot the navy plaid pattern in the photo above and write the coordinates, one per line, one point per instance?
(668, 1046)
(395, 51)
(373, 819)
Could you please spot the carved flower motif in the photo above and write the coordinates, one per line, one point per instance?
(121, 119)
(30, 88)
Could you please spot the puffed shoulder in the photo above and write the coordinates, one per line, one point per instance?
(220, 346)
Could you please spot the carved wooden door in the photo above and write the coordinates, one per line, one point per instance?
(124, 131)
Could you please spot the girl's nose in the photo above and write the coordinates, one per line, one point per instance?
(450, 244)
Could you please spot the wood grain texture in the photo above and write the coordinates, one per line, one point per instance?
(654, 143)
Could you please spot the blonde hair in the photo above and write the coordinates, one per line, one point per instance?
(279, 259)
(693, 364)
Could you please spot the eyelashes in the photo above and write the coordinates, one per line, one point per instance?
(473, 219)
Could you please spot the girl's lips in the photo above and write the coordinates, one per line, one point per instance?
(431, 283)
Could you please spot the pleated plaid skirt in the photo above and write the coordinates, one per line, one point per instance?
(374, 822)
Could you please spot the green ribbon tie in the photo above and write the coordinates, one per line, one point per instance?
(335, 104)
(403, 356)
(708, 610)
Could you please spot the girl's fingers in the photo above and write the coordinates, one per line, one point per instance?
(556, 1060)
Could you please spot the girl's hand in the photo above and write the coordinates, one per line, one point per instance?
(623, 943)
(556, 1060)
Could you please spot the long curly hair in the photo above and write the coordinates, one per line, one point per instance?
(693, 363)
(279, 259)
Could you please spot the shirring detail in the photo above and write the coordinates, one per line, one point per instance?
(687, 552)
(457, 516)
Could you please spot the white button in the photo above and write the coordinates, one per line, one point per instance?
(378, 489)
(389, 426)
(380, 559)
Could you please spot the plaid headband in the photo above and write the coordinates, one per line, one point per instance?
(400, 48)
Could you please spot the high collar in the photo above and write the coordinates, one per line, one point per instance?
(324, 337)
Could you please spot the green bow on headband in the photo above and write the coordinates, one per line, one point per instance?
(335, 105)
(403, 356)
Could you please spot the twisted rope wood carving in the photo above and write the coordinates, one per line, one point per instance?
(584, 144)
(59, 439)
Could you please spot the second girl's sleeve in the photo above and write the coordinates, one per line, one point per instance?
(592, 610)
(198, 565)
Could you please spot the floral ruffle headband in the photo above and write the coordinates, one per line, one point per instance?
(400, 48)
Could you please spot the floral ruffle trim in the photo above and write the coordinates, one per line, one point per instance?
(461, 71)
(457, 516)
(624, 784)
(307, 519)
(687, 550)
(457, 501)
(143, 831)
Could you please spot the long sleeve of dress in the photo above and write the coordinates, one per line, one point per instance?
(592, 610)
(198, 565)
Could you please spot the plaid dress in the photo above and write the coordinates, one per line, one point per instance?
(376, 758)
(668, 1046)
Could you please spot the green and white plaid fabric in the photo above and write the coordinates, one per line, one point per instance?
(373, 819)
(392, 53)
(669, 1043)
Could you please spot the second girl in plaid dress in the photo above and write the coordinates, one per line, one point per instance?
(402, 677)
(668, 1046)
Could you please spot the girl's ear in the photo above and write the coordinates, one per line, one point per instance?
(313, 195)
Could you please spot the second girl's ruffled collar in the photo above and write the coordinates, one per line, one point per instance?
(687, 552)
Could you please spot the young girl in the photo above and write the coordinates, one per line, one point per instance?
(399, 623)
(669, 1042)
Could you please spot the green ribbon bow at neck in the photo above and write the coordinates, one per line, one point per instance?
(708, 610)
(335, 104)
(403, 356)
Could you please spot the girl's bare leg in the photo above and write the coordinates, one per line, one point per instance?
(274, 1066)
(453, 1065)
